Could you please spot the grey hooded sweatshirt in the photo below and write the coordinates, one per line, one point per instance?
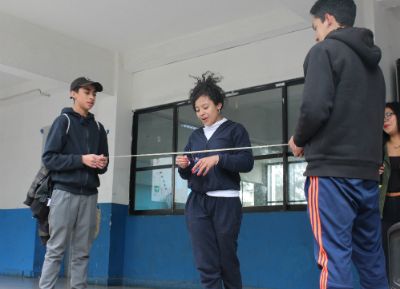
(341, 117)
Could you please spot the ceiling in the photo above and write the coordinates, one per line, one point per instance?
(149, 30)
(125, 25)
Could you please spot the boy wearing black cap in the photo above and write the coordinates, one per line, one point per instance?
(76, 151)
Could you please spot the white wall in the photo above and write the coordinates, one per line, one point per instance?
(123, 135)
(105, 112)
(384, 20)
(21, 142)
(50, 61)
(267, 61)
(384, 34)
(396, 38)
(21, 119)
(31, 48)
(262, 62)
(393, 17)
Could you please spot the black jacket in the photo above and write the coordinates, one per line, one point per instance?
(341, 118)
(63, 152)
(225, 175)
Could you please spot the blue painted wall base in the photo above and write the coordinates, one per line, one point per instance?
(275, 250)
(17, 242)
(107, 254)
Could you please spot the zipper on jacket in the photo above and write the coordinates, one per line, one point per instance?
(88, 151)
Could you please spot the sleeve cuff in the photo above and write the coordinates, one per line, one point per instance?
(297, 142)
(221, 161)
(78, 161)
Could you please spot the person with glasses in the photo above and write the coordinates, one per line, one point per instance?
(389, 202)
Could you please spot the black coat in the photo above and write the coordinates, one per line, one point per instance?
(341, 117)
(69, 139)
(225, 175)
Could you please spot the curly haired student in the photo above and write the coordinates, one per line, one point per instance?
(213, 210)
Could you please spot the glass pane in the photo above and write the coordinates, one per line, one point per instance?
(155, 130)
(187, 123)
(181, 191)
(153, 190)
(295, 93)
(261, 115)
(297, 166)
(263, 186)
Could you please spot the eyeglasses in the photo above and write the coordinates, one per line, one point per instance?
(388, 115)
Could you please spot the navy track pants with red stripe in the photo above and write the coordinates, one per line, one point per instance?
(345, 221)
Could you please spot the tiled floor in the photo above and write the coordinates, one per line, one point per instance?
(32, 283)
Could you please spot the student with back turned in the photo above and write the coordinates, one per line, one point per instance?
(339, 132)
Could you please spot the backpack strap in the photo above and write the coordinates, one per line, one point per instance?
(69, 122)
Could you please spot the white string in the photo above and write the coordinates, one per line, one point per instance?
(197, 152)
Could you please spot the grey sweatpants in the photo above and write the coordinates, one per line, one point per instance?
(71, 217)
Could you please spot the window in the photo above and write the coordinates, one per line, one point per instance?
(152, 177)
(268, 112)
(296, 165)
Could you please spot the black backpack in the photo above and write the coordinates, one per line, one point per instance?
(39, 194)
(37, 199)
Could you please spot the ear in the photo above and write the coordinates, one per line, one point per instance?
(219, 106)
(330, 19)
(72, 95)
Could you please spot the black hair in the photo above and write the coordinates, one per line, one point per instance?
(395, 107)
(344, 11)
(207, 85)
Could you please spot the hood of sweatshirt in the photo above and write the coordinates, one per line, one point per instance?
(361, 40)
(83, 120)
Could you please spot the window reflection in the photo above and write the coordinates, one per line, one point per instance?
(261, 114)
(296, 180)
(153, 190)
(181, 191)
(154, 135)
(263, 186)
(297, 166)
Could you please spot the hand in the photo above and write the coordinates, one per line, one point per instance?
(94, 161)
(182, 161)
(203, 166)
(381, 169)
(102, 162)
(297, 151)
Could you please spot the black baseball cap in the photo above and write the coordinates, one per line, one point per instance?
(83, 82)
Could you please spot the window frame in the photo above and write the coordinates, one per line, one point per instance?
(286, 206)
